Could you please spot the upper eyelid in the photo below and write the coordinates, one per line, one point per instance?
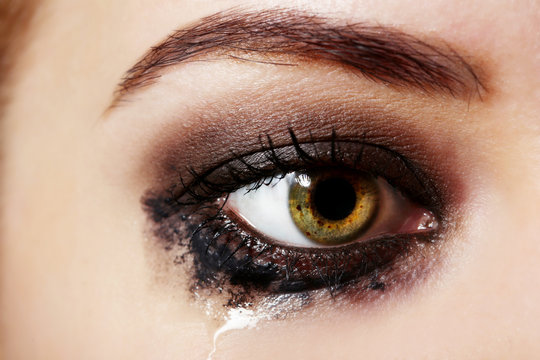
(209, 147)
(268, 154)
(380, 53)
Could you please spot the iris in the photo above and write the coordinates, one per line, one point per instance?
(333, 207)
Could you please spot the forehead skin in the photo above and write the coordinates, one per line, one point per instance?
(75, 281)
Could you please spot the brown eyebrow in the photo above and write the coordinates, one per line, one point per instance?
(379, 53)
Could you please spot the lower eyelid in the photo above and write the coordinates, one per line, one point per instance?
(275, 270)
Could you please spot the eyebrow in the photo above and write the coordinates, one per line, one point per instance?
(380, 53)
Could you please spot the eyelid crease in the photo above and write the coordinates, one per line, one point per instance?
(380, 53)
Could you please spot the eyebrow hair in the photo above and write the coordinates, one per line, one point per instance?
(379, 53)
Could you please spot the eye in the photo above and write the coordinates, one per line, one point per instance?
(326, 208)
(336, 214)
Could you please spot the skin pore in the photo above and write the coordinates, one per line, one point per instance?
(84, 272)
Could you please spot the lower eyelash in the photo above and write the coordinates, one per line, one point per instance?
(248, 261)
(227, 258)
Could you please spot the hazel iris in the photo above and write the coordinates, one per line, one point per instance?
(333, 207)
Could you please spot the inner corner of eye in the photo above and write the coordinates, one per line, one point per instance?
(327, 208)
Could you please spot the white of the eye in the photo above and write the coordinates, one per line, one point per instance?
(266, 209)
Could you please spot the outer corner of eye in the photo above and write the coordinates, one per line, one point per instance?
(325, 208)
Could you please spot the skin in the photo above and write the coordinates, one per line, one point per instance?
(82, 278)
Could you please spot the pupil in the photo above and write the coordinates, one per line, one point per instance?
(334, 198)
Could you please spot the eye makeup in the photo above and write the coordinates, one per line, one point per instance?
(225, 260)
(204, 142)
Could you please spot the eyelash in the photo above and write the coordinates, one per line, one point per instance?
(225, 256)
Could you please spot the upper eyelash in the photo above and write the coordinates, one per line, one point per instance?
(201, 189)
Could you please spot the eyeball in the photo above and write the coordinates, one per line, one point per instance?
(328, 207)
